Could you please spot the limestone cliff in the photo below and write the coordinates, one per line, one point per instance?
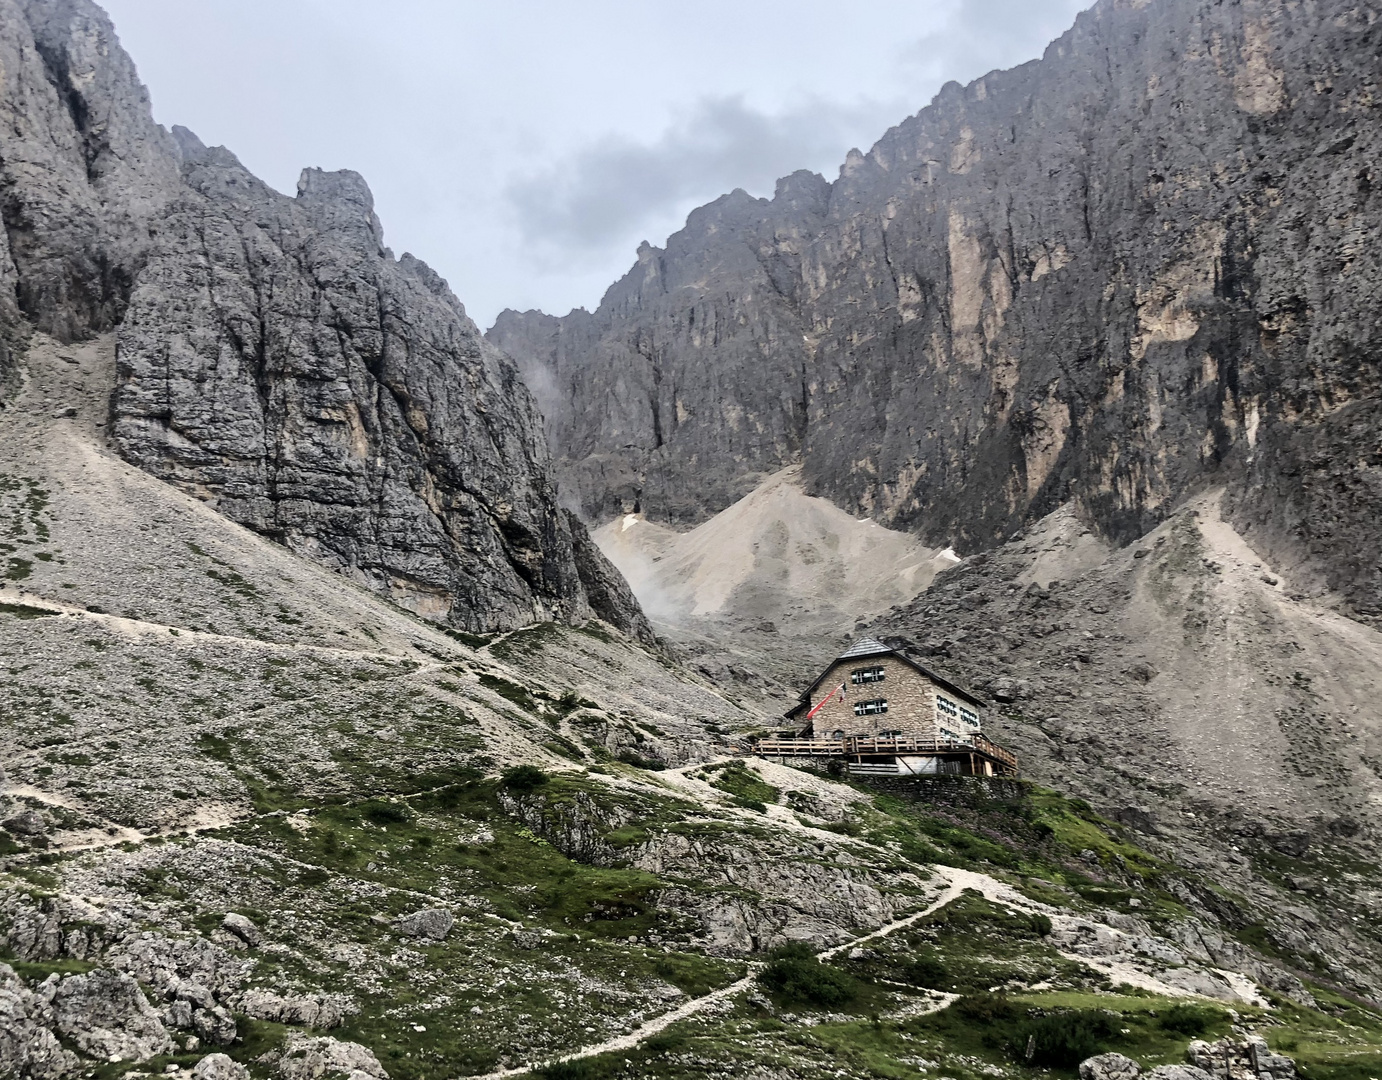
(83, 169)
(274, 358)
(1108, 276)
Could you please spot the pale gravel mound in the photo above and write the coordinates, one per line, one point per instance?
(777, 554)
(1063, 548)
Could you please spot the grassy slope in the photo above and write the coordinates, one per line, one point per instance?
(337, 759)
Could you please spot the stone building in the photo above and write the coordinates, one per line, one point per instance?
(885, 713)
(871, 689)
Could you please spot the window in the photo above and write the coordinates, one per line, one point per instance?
(947, 707)
(869, 708)
(867, 675)
(889, 734)
(949, 736)
(839, 734)
(969, 716)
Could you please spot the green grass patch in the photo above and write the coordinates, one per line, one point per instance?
(692, 973)
(738, 779)
(1340, 1041)
(25, 611)
(38, 970)
(526, 643)
(519, 695)
(518, 875)
(218, 748)
(473, 641)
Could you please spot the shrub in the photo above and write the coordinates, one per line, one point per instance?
(570, 701)
(638, 761)
(524, 778)
(926, 970)
(1063, 1040)
(795, 977)
(1187, 1019)
(385, 813)
(986, 1009)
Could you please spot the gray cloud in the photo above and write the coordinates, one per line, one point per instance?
(600, 200)
(980, 36)
(616, 186)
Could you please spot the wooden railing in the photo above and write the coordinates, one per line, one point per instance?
(895, 744)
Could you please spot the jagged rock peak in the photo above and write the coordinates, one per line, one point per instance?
(341, 201)
(278, 361)
(84, 168)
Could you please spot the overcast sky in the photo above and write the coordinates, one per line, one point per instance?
(524, 148)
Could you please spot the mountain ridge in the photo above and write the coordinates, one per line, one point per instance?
(273, 357)
(1107, 277)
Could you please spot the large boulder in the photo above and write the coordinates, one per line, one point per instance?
(28, 1048)
(1109, 1067)
(1178, 1072)
(215, 1025)
(322, 1011)
(309, 1058)
(172, 966)
(430, 924)
(106, 1015)
(1267, 1065)
(1233, 1059)
(243, 928)
(219, 1067)
(27, 824)
(34, 934)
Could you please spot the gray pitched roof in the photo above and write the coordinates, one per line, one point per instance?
(864, 647)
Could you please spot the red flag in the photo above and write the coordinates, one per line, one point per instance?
(828, 697)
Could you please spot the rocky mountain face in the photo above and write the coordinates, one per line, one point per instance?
(84, 171)
(273, 356)
(277, 358)
(696, 357)
(1106, 277)
(259, 823)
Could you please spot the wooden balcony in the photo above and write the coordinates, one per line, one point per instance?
(861, 747)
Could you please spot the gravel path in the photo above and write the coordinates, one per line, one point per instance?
(956, 883)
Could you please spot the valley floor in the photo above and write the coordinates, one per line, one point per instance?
(250, 809)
